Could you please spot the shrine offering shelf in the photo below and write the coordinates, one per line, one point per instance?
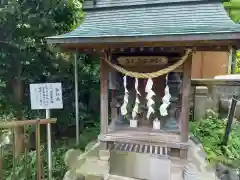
(143, 129)
(154, 138)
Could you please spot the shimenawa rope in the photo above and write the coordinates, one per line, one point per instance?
(152, 74)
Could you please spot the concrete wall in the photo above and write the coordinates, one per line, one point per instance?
(203, 100)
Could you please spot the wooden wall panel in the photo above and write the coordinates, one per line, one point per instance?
(209, 64)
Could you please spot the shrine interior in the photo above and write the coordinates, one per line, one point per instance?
(169, 123)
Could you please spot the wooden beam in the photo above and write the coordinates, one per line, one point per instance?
(108, 40)
(173, 49)
(140, 137)
(38, 152)
(114, 113)
(184, 117)
(213, 45)
(12, 124)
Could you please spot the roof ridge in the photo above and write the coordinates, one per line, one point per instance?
(109, 4)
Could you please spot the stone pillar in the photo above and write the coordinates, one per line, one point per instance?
(104, 157)
(201, 102)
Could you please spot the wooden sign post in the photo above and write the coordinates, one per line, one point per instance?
(47, 96)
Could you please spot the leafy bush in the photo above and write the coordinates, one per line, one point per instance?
(89, 134)
(237, 67)
(26, 164)
(210, 132)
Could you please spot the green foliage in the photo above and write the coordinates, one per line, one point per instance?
(26, 58)
(26, 165)
(237, 67)
(233, 8)
(89, 135)
(210, 132)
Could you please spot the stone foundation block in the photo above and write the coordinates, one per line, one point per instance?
(104, 155)
(94, 177)
(73, 175)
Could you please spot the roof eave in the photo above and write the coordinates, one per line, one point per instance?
(147, 39)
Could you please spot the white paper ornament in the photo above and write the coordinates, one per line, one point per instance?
(150, 94)
(137, 102)
(156, 124)
(125, 98)
(165, 100)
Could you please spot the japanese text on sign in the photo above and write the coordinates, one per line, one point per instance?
(143, 60)
(46, 96)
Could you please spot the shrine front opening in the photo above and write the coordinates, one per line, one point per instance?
(147, 96)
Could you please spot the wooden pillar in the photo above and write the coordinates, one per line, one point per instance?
(114, 114)
(113, 87)
(104, 98)
(184, 119)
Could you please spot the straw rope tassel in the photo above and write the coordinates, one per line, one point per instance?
(137, 102)
(125, 99)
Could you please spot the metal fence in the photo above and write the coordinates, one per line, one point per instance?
(20, 162)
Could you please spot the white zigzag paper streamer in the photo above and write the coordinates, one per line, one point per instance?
(150, 94)
(125, 99)
(137, 102)
(165, 100)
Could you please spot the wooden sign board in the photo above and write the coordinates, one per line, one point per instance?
(142, 60)
(46, 96)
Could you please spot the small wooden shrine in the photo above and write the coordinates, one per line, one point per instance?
(146, 52)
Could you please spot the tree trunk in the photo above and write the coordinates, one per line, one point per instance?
(18, 92)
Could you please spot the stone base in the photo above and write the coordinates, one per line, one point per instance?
(115, 177)
(93, 177)
(91, 165)
(96, 166)
(175, 175)
(145, 166)
(73, 175)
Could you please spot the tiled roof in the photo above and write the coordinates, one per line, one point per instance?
(89, 4)
(184, 18)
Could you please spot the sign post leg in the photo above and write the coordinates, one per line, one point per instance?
(76, 98)
(49, 149)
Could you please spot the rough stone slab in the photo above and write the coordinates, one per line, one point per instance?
(71, 158)
(73, 175)
(159, 168)
(115, 177)
(93, 177)
(104, 155)
(94, 166)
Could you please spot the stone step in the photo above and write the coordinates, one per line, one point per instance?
(93, 177)
(115, 177)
